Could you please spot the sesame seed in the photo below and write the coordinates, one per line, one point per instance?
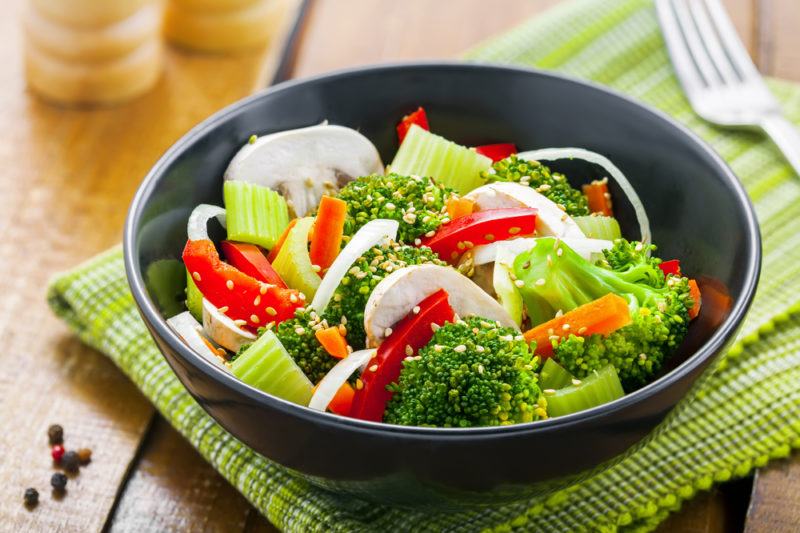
(359, 384)
(409, 350)
(416, 310)
(560, 252)
(549, 391)
(435, 327)
(337, 297)
(417, 242)
(489, 237)
(293, 298)
(638, 247)
(549, 260)
(550, 331)
(252, 139)
(480, 369)
(460, 245)
(540, 282)
(480, 349)
(223, 309)
(299, 330)
(257, 301)
(240, 322)
(270, 325)
(343, 320)
(254, 319)
(342, 330)
(576, 382)
(271, 311)
(373, 368)
(642, 356)
(514, 230)
(565, 327)
(430, 233)
(519, 283)
(196, 276)
(460, 348)
(229, 284)
(301, 296)
(437, 348)
(309, 183)
(582, 330)
(263, 289)
(390, 206)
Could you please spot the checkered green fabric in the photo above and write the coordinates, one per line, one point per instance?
(745, 414)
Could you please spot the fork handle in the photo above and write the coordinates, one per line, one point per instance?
(786, 136)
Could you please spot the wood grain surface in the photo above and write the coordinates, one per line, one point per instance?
(68, 176)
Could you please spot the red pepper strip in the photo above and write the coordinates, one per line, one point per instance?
(458, 236)
(240, 296)
(497, 152)
(409, 335)
(418, 117)
(249, 259)
(673, 266)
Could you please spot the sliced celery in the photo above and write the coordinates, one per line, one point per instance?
(254, 214)
(266, 365)
(507, 293)
(599, 227)
(425, 154)
(598, 388)
(293, 263)
(194, 298)
(554, 376)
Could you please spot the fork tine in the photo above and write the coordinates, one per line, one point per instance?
(731, 42)
(685, 67)
(695, 44)
(711, 40)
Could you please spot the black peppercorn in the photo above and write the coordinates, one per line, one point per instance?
(70, 461)
(55, 434)
(31, 497)
(58, 481)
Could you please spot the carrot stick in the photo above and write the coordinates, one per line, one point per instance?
(603, 316)
(694, 292)
(333, 341)
(342, 401)
(277, 248)
(599, 197)
(328, 231)
(459, 207)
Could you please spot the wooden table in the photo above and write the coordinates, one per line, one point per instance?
(66, 180)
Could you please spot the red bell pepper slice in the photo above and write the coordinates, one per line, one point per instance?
(409, 335)
(673, 266)
(242, 297)
(418, 117)
(497, 152)
(458, 236)
(249, 259)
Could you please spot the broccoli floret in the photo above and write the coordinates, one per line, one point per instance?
(350, 297)
(538, 176)
(472, 373)
(417, 203)
(297, 336)
(555, 278)
(632, 262)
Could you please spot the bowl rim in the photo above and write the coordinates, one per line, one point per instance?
(158, 324)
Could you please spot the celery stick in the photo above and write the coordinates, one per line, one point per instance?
(194, 298)
(293, 263)
(599, 227)
(507, 293)
(254, 214)
(266, 365)
(596, 389)
(425, 154)
(554, 376)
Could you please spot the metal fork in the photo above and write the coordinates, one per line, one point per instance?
(717, 74)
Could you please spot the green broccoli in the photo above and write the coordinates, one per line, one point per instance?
(417, 203)
(350, 297)
(297, 336)
(538, 176)
(632, 262)
(472, 373)
(554, 277)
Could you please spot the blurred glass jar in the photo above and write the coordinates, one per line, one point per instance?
(92, 51)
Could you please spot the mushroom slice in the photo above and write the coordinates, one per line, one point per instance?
(223, 330)
(397, 294)
(550, 219)
(306, 163)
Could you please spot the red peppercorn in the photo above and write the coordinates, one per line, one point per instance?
(57, 452)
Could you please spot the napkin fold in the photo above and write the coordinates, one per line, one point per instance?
(743, 415)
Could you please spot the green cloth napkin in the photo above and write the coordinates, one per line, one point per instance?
(745, 414)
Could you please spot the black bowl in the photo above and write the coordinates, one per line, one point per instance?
(698, 210)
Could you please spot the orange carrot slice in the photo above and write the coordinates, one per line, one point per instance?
(603, 316)
(277, 248)
(342, 401)
(333, 341)
(694, 292)
(328, 231)
(599, 197)
(459, 207)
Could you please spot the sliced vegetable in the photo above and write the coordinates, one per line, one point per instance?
(602, 316)
(554, 154)
(371, 234)
(694, 292)
(342, 401)
(255, 214)
(267, 366)
(497, 152)
(332, 383)
(673, 267)
(599, 227)
(599, 198)
(459, 207)
(398, 293)
(223, 330)
(409, 335)
(197, 227)
(273, 253)
(293, 263)
(247, 301)
(600, 387)
(251, 260)
(553, 376)
(333, 341)
(418, 117)
(189, 330)
(589, 249)
(459, 235)
(425, 154)
(507, 293)
(194, 298)
(328, 231)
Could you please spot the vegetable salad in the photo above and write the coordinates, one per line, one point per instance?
(456, 287)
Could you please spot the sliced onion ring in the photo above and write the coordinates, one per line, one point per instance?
(586, 248)
(338, 376)
(189, 329)
(554, 154)
(197, 228)
(371, 234)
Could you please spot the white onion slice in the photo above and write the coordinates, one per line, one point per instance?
(586, 248)
(336, 377)
(197, 228)
(554, 154)
(189, 330)
(371, 234)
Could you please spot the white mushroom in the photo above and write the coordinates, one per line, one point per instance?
(550, 219)
(399, 292)
(189, 330)
(306, 163)
(222, 330)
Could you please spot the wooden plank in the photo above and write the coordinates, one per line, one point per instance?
(775, 502)
(779, 37)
